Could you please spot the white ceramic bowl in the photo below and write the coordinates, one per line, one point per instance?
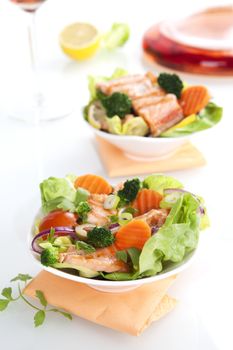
(143, 148)
(114, 286)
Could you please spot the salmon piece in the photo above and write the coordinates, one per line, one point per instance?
(98, 215)
(93, 183)
(103, 263)
(118, 187)
(127, 79)
(154, 217)
(147, 200)
(152, 77)
(102, 260)
(154, 91)
(133, 235)
(128, 117)
(163, 115)
(132, 85)
(143, 102)
(194, 99)
(132, 90)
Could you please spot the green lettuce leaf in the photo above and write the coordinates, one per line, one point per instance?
(57, 192)
(114, 125)
(58, 203)
(207, 118)
(178, 236)
(120, 276)
(159, 182)
(93, 80)
(116, 36)
(135, 126)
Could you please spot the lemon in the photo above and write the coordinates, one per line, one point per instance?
(186, 121)
(80, 40)
(96, 115)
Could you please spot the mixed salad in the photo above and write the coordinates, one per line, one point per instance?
(149, 105)
(133, 230)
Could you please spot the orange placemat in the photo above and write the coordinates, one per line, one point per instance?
(117, 164)
(130, 312)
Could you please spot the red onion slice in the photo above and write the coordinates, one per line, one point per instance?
(59, 231)
(154, 229)
(114, 227)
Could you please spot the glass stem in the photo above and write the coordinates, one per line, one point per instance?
(38, 96)
(34, 67)
(32, 41)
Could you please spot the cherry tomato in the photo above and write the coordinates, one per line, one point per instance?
(58, 218)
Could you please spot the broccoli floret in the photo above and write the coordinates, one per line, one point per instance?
(129, 191)
(100, 237)
(82, 210)
(170, 83)
(49, 256)
(117, 104)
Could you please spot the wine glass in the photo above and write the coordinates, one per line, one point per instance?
(40, 99)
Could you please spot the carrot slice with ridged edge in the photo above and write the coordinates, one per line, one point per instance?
(93, 183)
(133, 235)
(147, 200)
(193, 99)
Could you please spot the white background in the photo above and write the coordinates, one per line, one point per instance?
(203, 317)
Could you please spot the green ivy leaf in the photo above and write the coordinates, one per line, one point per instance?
(7, 293)
(21, 277)
(41, 297)
(65, 314)
(39, 318)
(3, 304)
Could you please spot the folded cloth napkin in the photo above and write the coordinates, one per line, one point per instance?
(130, 312)
(117, 164)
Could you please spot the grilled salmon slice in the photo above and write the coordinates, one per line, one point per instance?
(162, 115)
(125, 80)
(103, 259)
(98, 215)
(132, 85)
(154, 217)
(133, 90)
(143, 102)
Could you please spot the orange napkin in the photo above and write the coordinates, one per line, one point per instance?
(117, 164)
(130, 312)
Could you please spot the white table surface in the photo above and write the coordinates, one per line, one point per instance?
(203, 317)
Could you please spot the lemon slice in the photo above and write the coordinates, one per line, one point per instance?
(96, 115)
(80, 40)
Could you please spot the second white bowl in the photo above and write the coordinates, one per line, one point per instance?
(143, 148)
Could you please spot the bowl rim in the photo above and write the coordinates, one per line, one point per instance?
(106, 283)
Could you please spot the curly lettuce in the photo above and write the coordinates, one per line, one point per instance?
(116, 36)
(178, 236)
(159, 182)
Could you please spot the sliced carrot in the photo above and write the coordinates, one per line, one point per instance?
(133, 235)
(147, 200)
(94, 184)
(193, 99)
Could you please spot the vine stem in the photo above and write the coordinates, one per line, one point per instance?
(26, 301)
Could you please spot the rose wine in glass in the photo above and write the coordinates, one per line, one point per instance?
(38, 103)
(28, 5)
